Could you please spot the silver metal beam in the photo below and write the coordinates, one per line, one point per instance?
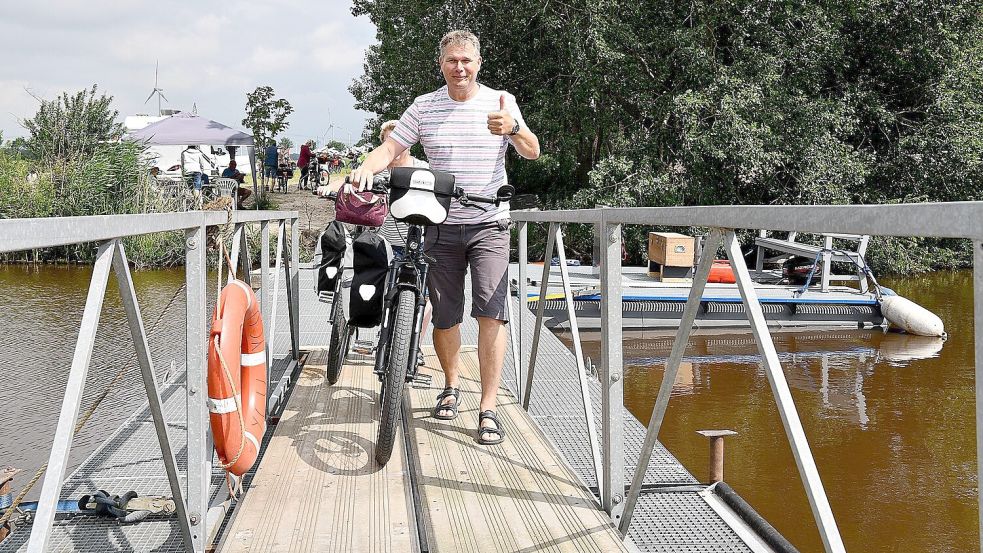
(523, 297)
(199, 444)
(612, 383)
(978, 337)
(245, 262)
(941, 220)
(139, 334)
(264, 305)
(669, 377)
(234, 252)
(821, 510)
(294, 284)
(277, 259)
(540, 312)
(45, 232)
(578, 353)
(67, 418)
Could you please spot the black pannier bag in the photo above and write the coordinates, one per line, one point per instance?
(329, 256)
(372, 255)
(420, 196)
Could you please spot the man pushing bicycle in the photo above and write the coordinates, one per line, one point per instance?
(465, 129)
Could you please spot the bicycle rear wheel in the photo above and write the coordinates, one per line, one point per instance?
(338, 347)
(394, 377)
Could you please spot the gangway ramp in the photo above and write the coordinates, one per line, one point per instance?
(320, 489)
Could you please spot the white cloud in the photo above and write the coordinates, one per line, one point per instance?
(210, 55)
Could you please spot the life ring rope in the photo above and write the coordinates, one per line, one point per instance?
(238, 400)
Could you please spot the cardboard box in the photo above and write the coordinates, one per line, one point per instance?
(668, 273)
(671, 249)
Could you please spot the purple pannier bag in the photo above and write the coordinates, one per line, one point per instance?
(360, 208)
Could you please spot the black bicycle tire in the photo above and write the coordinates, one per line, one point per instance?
(394, 378)
(338, 347)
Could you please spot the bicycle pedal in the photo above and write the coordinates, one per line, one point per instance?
(422, 380)
(326, 297)
(363, 347)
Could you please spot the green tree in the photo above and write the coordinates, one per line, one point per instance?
(285, 143)
(336, 145)
(705, 102)
(72, 126)
(266, 116)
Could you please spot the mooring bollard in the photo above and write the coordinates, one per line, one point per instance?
(716, 451)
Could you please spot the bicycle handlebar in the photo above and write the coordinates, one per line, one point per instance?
(380, 185)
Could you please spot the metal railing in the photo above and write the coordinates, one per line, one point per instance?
(936, 220)
(192, 504)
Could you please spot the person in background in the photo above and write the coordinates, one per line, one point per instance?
(193, 166)
(393, 231)
(271, 164)
(302, 161)
(231, 172)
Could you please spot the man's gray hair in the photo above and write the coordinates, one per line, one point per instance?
(458, 38)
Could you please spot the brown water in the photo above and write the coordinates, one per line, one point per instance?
(40, 311)
(890, 420)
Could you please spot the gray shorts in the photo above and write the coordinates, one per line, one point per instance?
(484, 247)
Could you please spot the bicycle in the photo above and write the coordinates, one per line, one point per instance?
(421, 198)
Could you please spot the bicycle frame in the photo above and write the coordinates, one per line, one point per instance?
(408, 273)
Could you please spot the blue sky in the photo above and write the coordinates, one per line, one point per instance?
(211, 54)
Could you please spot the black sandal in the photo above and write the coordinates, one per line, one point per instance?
(452, 407)
(496, 430)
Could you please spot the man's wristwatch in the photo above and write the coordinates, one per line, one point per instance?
(515, 129)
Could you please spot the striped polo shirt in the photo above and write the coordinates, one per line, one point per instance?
(456, 139)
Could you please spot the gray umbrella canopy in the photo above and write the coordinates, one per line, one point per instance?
(185, 128)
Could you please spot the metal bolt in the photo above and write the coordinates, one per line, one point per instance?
(615, 377)
(613, 238)
(194, 519)
(193, 390)
(617, 498)
(192, 243)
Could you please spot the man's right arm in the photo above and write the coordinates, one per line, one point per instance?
(377, 160)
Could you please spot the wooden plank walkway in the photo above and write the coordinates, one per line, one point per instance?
(319, 489)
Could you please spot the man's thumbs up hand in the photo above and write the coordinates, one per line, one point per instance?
(500, 122)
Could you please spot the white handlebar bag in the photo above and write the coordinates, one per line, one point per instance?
(420, 196)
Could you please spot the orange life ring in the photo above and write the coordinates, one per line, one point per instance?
(721, 272)
(237, 378)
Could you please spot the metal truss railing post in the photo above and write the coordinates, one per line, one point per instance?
(821, 510)
(139, 334)
(523, 297)
(293, 288)
(278, 260)
(612, 383)
(669, 377)
(540, 312)
(199, 439)
(578, 353)
(68, 417)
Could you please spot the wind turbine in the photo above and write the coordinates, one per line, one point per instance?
(158, 91)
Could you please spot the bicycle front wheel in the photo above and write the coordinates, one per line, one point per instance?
(394, 377)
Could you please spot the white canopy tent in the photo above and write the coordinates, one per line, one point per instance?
(186, 129)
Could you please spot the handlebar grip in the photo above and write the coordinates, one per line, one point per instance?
(480, 199)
